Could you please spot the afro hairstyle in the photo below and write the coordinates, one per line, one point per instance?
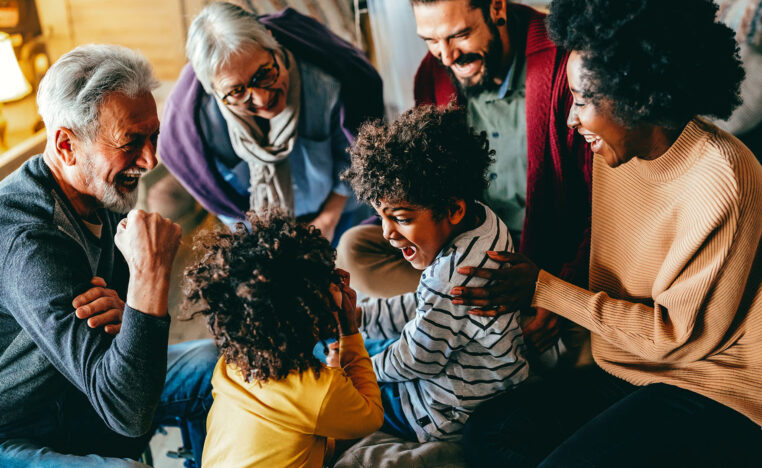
(428, 157)
(265, 293)
(659, 62)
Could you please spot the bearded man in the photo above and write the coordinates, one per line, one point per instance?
(85, 372)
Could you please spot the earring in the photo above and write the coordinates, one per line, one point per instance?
(500, 22)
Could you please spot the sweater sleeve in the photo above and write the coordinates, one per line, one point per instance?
(122, 376)
(385, 318)
(352, 406)
(691, 315)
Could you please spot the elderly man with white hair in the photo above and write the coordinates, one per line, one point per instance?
(85, 371)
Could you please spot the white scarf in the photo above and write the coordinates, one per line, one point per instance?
(267, 155)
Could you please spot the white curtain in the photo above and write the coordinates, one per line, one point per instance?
(398, 51)
(745, 18)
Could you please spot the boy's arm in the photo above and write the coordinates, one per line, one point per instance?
(426, 343)
(352, 406)
(385, 318)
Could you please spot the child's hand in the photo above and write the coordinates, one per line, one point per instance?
(347, 315)
(332, 359)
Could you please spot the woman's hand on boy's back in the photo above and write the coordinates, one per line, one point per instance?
(346, 299)
(511, 288)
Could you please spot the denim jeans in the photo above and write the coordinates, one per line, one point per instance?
(187, 394)
(394, 417)
(588, 418)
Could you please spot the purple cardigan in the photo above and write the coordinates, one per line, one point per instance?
(185, 153)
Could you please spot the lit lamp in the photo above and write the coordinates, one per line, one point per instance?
(13, 85)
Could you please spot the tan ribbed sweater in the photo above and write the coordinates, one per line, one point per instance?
(675, 270)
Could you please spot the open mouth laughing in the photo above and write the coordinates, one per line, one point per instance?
(408, 252)
(594, 140)
(467, 65)
(129, 179)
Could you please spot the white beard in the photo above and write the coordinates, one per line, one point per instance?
(112, 199)
(110, 196)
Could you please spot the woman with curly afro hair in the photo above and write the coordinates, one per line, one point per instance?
(270, 295)
(674, 303)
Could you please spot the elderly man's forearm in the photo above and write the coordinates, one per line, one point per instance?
(149, 294)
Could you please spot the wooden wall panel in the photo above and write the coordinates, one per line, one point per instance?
(154, 27)
(158, 28)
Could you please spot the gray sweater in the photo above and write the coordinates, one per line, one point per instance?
(47, 257)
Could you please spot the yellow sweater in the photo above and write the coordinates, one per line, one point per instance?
(675, 270)
(288, 422)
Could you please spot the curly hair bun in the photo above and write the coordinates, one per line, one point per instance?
(660, 62)
(427, 157)
(265, 293)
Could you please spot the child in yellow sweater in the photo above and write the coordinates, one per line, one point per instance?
(269, 295)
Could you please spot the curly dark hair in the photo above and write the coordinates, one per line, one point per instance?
(265, 293)
(660, 62)
(428, 157)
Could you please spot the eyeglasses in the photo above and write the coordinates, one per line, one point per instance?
(264, 77)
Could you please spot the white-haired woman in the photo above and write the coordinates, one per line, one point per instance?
(264, 116)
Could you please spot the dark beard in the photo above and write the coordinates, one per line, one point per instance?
(492, 67)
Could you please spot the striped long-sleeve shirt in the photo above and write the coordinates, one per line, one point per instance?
(447, 361)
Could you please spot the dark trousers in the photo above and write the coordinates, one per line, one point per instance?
(587, 418)
(395, 422)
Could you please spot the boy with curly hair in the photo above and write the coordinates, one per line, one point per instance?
(269, 295)
(424, 175)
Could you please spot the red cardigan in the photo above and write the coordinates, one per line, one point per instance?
(556, 233)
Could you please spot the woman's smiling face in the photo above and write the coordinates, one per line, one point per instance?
(238, 72)
(606, 136)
